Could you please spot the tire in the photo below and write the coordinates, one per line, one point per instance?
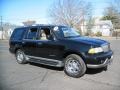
(20, 57)
(74, 66)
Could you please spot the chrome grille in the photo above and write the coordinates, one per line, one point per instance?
(106, 47)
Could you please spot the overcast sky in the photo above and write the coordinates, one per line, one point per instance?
(17, 11)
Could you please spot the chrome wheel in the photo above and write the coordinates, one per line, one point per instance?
(73, 66)
(20, 57)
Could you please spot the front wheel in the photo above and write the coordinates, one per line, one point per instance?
(74, 66)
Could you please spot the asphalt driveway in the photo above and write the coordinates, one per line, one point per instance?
(32, 76)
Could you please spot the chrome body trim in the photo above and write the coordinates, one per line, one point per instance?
(60, 63)
(107, 61)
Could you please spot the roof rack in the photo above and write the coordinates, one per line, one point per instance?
(41, 25)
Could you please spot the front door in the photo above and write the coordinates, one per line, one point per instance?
(47, 47)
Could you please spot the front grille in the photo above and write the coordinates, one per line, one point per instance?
(106, 47)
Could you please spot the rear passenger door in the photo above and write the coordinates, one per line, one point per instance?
(29, 41)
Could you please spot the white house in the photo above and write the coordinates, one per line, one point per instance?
(10, 32)
(103, 26)
(0, 34)
(6, 34)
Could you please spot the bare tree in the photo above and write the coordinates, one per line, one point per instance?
(112, 12)
(69, 12)
(89, 19)
(116, 4)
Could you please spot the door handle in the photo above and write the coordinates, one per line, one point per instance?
(39, 43)
(23, 42)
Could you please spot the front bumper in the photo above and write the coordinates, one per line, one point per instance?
(106, 62)
(99, 60)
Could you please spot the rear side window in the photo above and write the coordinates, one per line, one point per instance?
(32, 34)
(18, 34)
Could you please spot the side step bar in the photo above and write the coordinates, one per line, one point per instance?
(45, 61)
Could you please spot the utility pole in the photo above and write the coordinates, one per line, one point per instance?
(2, 27)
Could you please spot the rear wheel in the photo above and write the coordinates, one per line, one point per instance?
(74, 66)
(20, 57)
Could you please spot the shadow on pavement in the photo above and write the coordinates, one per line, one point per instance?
(95, 71)
(89, 71)
(46, 66)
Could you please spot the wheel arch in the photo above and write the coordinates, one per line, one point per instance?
(73, 52)
(17, 46)
(16, 49)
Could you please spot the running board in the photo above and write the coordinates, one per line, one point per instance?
(45, 61)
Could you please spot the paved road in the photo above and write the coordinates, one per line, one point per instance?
(14, 76)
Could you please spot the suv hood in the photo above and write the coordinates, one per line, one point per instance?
(90, 41)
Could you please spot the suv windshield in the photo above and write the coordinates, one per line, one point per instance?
(69, 32)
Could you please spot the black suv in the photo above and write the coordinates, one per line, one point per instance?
(59, 46)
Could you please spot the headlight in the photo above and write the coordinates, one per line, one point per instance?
(95, 50)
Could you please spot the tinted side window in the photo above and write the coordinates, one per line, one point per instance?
(57, 31)
(18, 34)
(46, 34)
(32, 33)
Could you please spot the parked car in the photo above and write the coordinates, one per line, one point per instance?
(59, 46)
